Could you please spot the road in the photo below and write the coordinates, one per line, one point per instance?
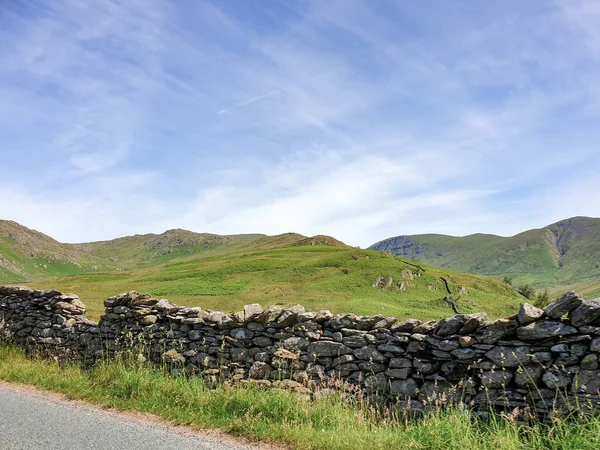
(32, 420)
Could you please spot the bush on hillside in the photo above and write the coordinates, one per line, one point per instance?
(527, 291)
(542, 299)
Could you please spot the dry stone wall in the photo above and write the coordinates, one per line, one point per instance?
(528, 360)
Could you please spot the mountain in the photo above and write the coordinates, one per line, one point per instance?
(565, 253)
(27, 253)
(226, 272)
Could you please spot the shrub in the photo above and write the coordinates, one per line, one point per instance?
(542, 299)
(527, 291)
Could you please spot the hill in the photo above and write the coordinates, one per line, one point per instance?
(226, 272)
(566, 253)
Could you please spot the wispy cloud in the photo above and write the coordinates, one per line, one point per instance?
(354, 118)
(250, 100)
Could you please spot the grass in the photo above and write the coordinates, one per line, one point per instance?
(318, 277)
(285, 417)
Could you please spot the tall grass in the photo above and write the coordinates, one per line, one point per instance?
(286, 417)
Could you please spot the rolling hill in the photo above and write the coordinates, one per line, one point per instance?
(226, 272)
(560, 255)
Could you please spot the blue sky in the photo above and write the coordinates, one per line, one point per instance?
(358, 119)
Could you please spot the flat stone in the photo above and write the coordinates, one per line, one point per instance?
(389, 348)
(585, 313)
(400, 363)
(587, 381)
(150, 319)
(472, 322)
(543, 330)
(369, 367)
(595, 345)
(259, 370)
(528, 376)
(425, 327)
(465, 341)
(376, 383)
(496, 379)
(510, 356)
(404, 388)
(464, 353)
(368, 354)
(528, 313)
(405, 325)
(354, 341)
(344, 359)
(589, 362)
(215, 317)
(402, 374)
(554, 379)
(497, 330)
(241, 334)
(165, 305)
(448, 345)
(449, 326)
(562, 306)
(328, 348)
(262, 341)
(252, 312)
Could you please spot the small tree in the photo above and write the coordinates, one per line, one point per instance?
(508, 280)
(527, 291)
(542, 299)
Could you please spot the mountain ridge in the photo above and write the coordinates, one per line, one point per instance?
(558, 254)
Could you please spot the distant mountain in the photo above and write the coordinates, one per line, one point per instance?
(564, 253)
(27, 253)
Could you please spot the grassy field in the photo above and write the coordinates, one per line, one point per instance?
(227, 272)
(319, 277)
(284, 417)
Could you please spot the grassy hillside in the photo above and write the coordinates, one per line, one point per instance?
(226, 272)
(566, 253)
(27, 254)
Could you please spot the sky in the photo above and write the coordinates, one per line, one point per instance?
(360, 119)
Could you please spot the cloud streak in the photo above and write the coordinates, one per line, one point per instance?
(250, 100)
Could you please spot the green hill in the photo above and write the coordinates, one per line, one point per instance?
(226, 272)
(566, 253)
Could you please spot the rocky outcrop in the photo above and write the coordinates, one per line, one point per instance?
(524, 360)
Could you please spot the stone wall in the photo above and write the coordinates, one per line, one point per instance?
(528, 360)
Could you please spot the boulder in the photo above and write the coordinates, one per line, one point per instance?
(562, 306)
(497, 330)
(251, 312)
(543, 330)
(472, 322)
(585, 313)
(529, 313)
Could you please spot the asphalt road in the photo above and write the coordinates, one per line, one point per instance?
(35, 421)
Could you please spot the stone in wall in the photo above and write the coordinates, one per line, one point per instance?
(522, 360)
